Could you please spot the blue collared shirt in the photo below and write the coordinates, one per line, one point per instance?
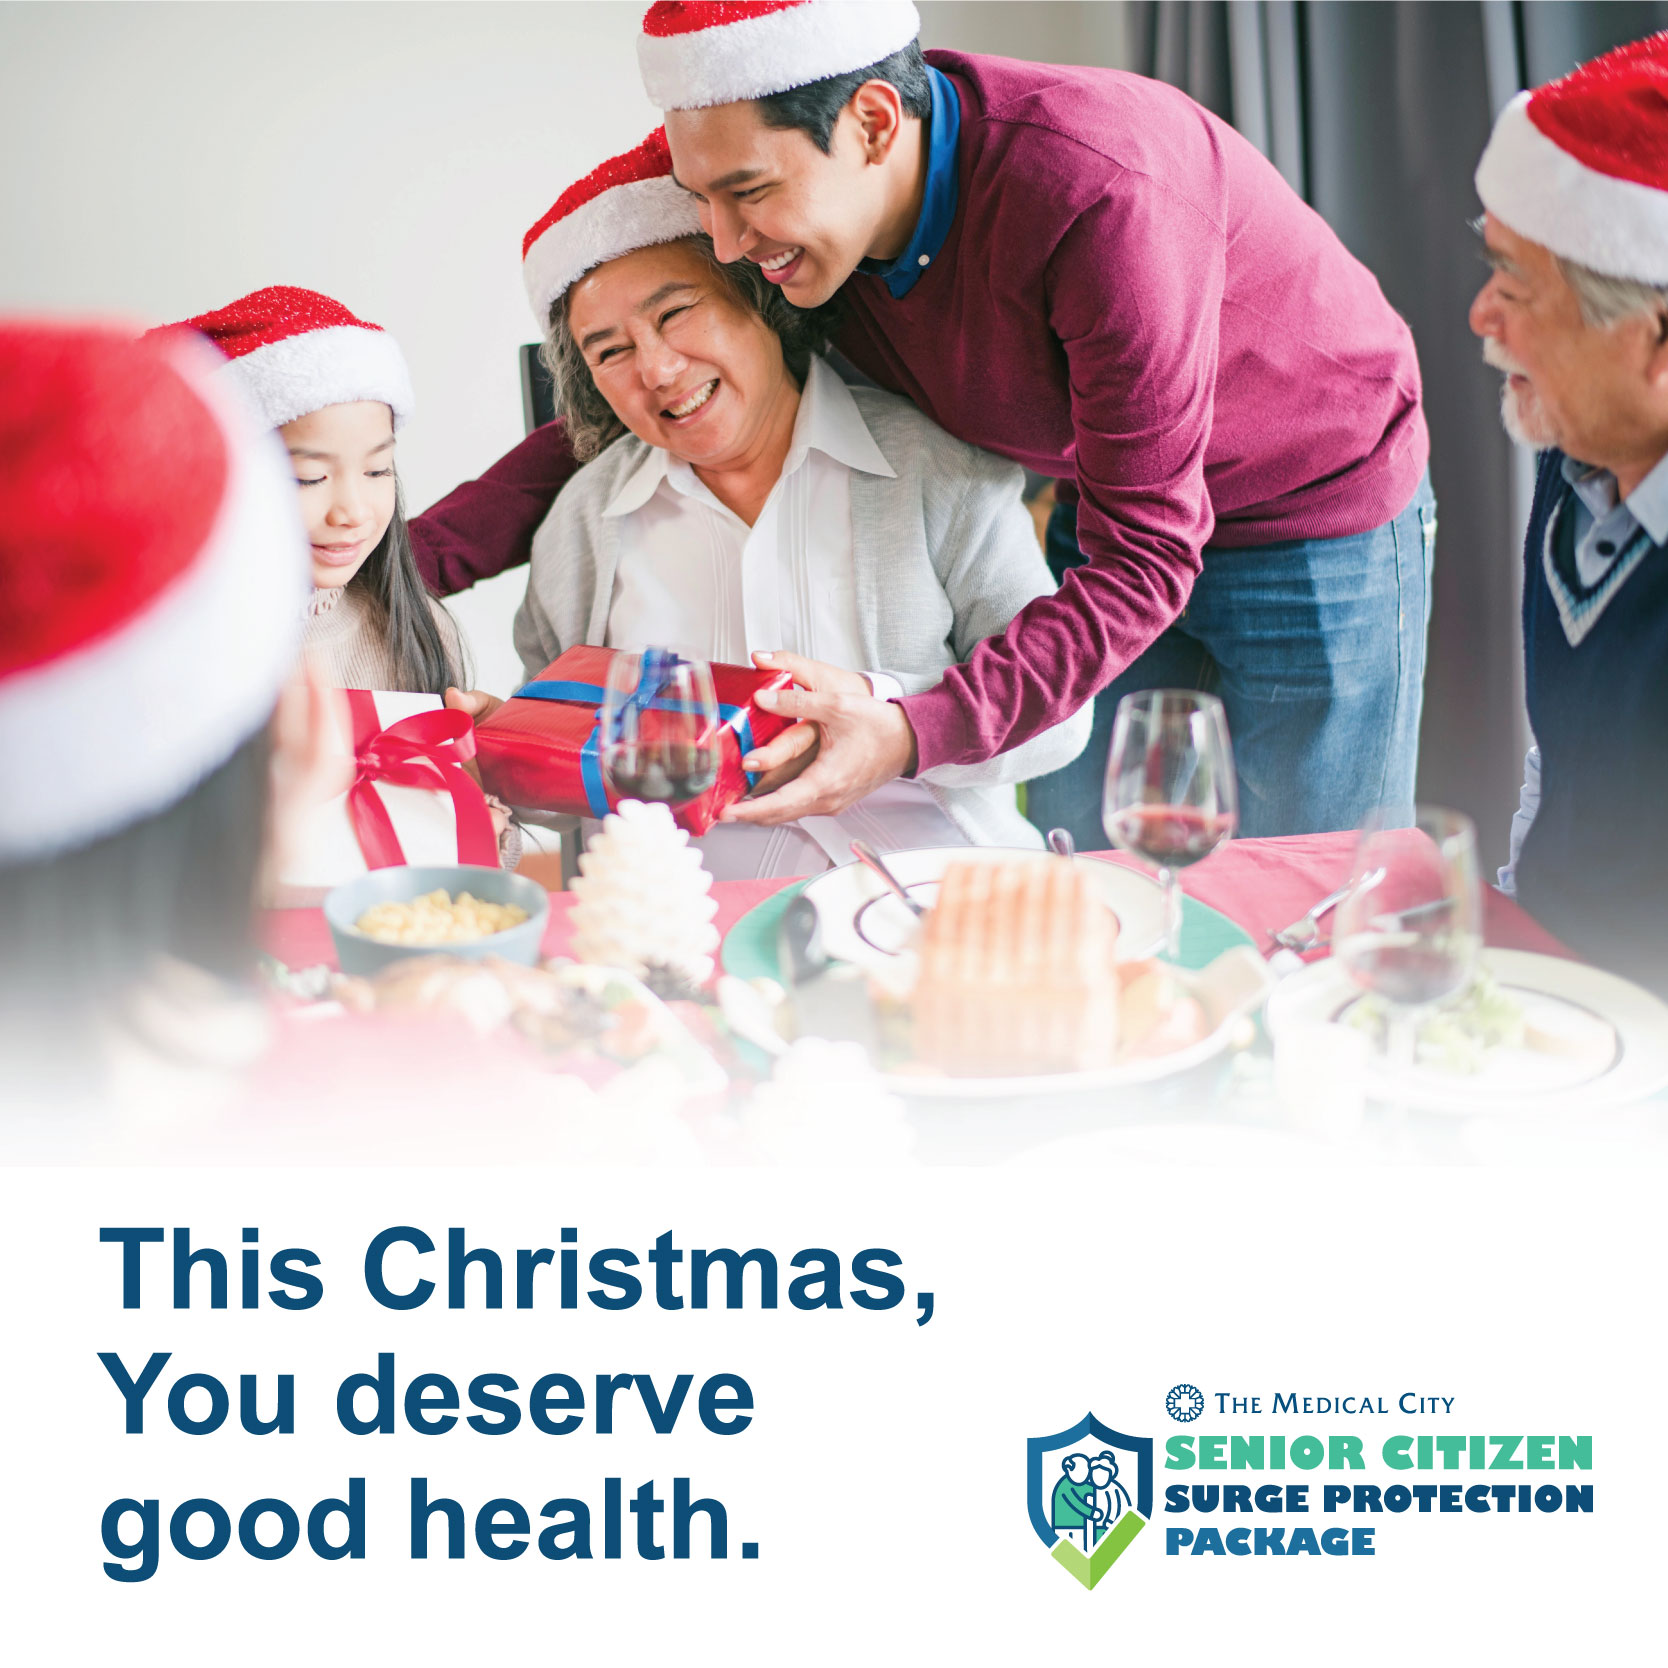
(938, 207)
(1603, 524)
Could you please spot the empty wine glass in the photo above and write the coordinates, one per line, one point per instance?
(1171, 798)
(1410, 928)
(659, 737)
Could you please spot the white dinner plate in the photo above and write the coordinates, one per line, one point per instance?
(1510, 1079)
(863, 922)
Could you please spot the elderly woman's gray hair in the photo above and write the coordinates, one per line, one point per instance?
(590, 419)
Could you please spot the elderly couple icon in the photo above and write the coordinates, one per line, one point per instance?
(1088, 1499)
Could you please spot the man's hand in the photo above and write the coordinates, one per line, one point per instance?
(779, 761)
(865, 744)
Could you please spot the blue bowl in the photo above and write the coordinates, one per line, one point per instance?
(358, 954)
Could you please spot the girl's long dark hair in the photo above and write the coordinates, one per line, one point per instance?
(405, 615)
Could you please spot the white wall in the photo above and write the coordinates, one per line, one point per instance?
(1044, 31)
(162, 159)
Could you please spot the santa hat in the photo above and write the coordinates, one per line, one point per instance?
(153, 572)
(693, 54)
(627, 203)
(296, 351)
(1580, 165)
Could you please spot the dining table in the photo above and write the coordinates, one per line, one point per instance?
(1223, 1112)
(1261, 885)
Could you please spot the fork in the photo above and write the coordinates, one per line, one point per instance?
(1304, 933)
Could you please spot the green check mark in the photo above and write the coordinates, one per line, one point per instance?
(1089, 1570)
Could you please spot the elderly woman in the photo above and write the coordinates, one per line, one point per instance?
(740, 500)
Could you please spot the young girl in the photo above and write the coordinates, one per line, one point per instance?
(337, 391)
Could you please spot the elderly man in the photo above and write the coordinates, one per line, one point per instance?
(1575, 184)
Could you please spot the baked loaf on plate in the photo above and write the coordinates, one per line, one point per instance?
(1016, 972)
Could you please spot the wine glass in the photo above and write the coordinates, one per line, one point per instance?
(1410, 928)
(659, 727)
(1171, 798)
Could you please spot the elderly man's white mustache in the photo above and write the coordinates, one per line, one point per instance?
(1500, 359)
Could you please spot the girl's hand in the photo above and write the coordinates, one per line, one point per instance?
(476, 702)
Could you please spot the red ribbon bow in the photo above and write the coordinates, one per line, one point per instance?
(426, 750)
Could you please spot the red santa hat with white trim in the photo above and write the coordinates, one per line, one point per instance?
(625, 203)
(293, 351)
(1580, 165)
(153, 571)
(693, 54)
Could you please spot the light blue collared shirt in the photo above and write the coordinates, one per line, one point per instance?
(1604, 524)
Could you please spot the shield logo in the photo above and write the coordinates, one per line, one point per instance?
(1085, 1505)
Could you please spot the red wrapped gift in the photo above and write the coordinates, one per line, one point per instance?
(407, 799)
(542, 748)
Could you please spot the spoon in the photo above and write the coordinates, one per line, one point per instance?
(1061, 843)
(871, 860)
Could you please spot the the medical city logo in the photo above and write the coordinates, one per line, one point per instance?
(1090, 1493)
(1185, 1403)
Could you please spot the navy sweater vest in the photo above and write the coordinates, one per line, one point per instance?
(1594, 868)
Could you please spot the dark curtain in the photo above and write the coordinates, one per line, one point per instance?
(1377, 114)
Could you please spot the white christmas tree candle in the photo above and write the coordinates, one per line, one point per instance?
(645, 899)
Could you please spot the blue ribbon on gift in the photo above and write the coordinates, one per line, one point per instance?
(657, 663)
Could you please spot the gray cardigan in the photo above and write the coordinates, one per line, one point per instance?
(945, 553)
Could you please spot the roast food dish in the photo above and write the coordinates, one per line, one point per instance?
(1017, 976)
(485, 994)
(437, 918)
(587, 1022)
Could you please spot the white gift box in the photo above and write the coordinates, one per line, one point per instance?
(325, 851)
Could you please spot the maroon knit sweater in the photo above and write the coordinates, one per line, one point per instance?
(1132, 298)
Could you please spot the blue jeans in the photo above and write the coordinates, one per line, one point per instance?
(1317, 649)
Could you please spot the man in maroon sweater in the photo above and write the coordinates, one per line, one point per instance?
(1084, 271)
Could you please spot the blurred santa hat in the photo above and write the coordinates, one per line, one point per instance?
(628, 202)
(294, 351)
(694, 53)
(153, 571)
(1580, 166)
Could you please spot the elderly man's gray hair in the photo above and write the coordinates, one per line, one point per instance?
(1605, 300)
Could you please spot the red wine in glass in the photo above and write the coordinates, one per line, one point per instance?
(672, 774)
(1170, 836)
(659, 727)
(1171, 797)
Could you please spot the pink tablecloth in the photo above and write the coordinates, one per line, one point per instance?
(1260, 884)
